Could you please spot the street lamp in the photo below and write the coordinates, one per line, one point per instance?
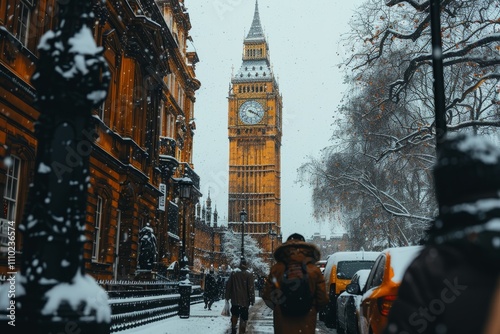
(243, 217)
(185, 187)
(273, 234)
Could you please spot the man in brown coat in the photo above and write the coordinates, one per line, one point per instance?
(240, 290)
(295, 251)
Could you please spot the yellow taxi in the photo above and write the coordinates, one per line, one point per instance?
(340, 267)
(381, 287)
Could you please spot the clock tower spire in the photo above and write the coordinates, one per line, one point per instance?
(254, 128)
(256, 32)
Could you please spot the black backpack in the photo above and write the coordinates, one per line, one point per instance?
(296, 297)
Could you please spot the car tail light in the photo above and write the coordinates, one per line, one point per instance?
(385, 304)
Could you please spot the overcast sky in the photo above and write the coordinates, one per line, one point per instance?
(303, 39)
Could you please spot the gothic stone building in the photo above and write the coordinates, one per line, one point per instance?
(255, 131)
(144, 129)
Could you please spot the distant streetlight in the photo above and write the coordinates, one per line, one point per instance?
(243, 217)
(273, 234)
(185, 186)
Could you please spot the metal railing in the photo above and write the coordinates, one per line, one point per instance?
(138, 303)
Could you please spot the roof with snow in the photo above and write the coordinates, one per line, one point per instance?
(254, 70)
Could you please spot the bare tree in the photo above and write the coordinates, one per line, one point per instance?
(377, 172)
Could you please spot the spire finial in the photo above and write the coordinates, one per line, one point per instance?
(256, 32)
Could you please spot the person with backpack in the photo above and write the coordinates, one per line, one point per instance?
(295, 287)
(240, 291)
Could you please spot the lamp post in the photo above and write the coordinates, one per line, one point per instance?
(185, 187)
(273, 234)
(243, 217)
(437, 66)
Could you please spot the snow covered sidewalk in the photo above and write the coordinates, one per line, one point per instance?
(200, 321)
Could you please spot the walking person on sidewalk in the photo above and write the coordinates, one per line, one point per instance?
(211, 289)
(241, 292)
(295, 273)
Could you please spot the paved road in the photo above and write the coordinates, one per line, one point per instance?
(260, 321)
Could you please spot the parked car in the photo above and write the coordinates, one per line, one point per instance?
(381, 287)
(348, 305)
(321, 265)
(340, 268)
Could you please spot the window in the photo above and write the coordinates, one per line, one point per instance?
(170, 126)
(376, 274)
(11, 189)
(346, 269)
(97, 229)
(22, 24)
(178, 154)
(100, 110)
(4, 236)
(162, 120)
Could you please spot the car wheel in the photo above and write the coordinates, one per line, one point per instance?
(330, 316)
(321, 315)
(340, 329)
(347, 330)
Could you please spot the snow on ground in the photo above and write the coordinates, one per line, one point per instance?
(200, 321)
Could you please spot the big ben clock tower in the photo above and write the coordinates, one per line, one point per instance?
(255, 114)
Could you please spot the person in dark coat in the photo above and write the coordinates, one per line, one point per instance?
(295, 250)
(240, 291)
(211, 289)
(220, 287)
(449, 287)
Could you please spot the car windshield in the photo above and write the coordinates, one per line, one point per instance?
(346, 269)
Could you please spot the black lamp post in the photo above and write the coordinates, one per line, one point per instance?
(243, 217)
(185, 187)
(437, 66)
(273, 234)
(71, 78)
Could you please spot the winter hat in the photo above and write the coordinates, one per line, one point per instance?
(296, 236)
(467, 169)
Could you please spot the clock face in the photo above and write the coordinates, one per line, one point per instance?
(251, 112)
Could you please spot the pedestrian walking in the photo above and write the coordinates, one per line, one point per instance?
(450, 286)
(211, 289)
(294, 308)
(260, 284)
(240, 291)
(221, 286)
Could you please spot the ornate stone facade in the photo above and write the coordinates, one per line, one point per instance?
(255, 130)
(144, 129)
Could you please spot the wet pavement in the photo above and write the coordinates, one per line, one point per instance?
(260, 321)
